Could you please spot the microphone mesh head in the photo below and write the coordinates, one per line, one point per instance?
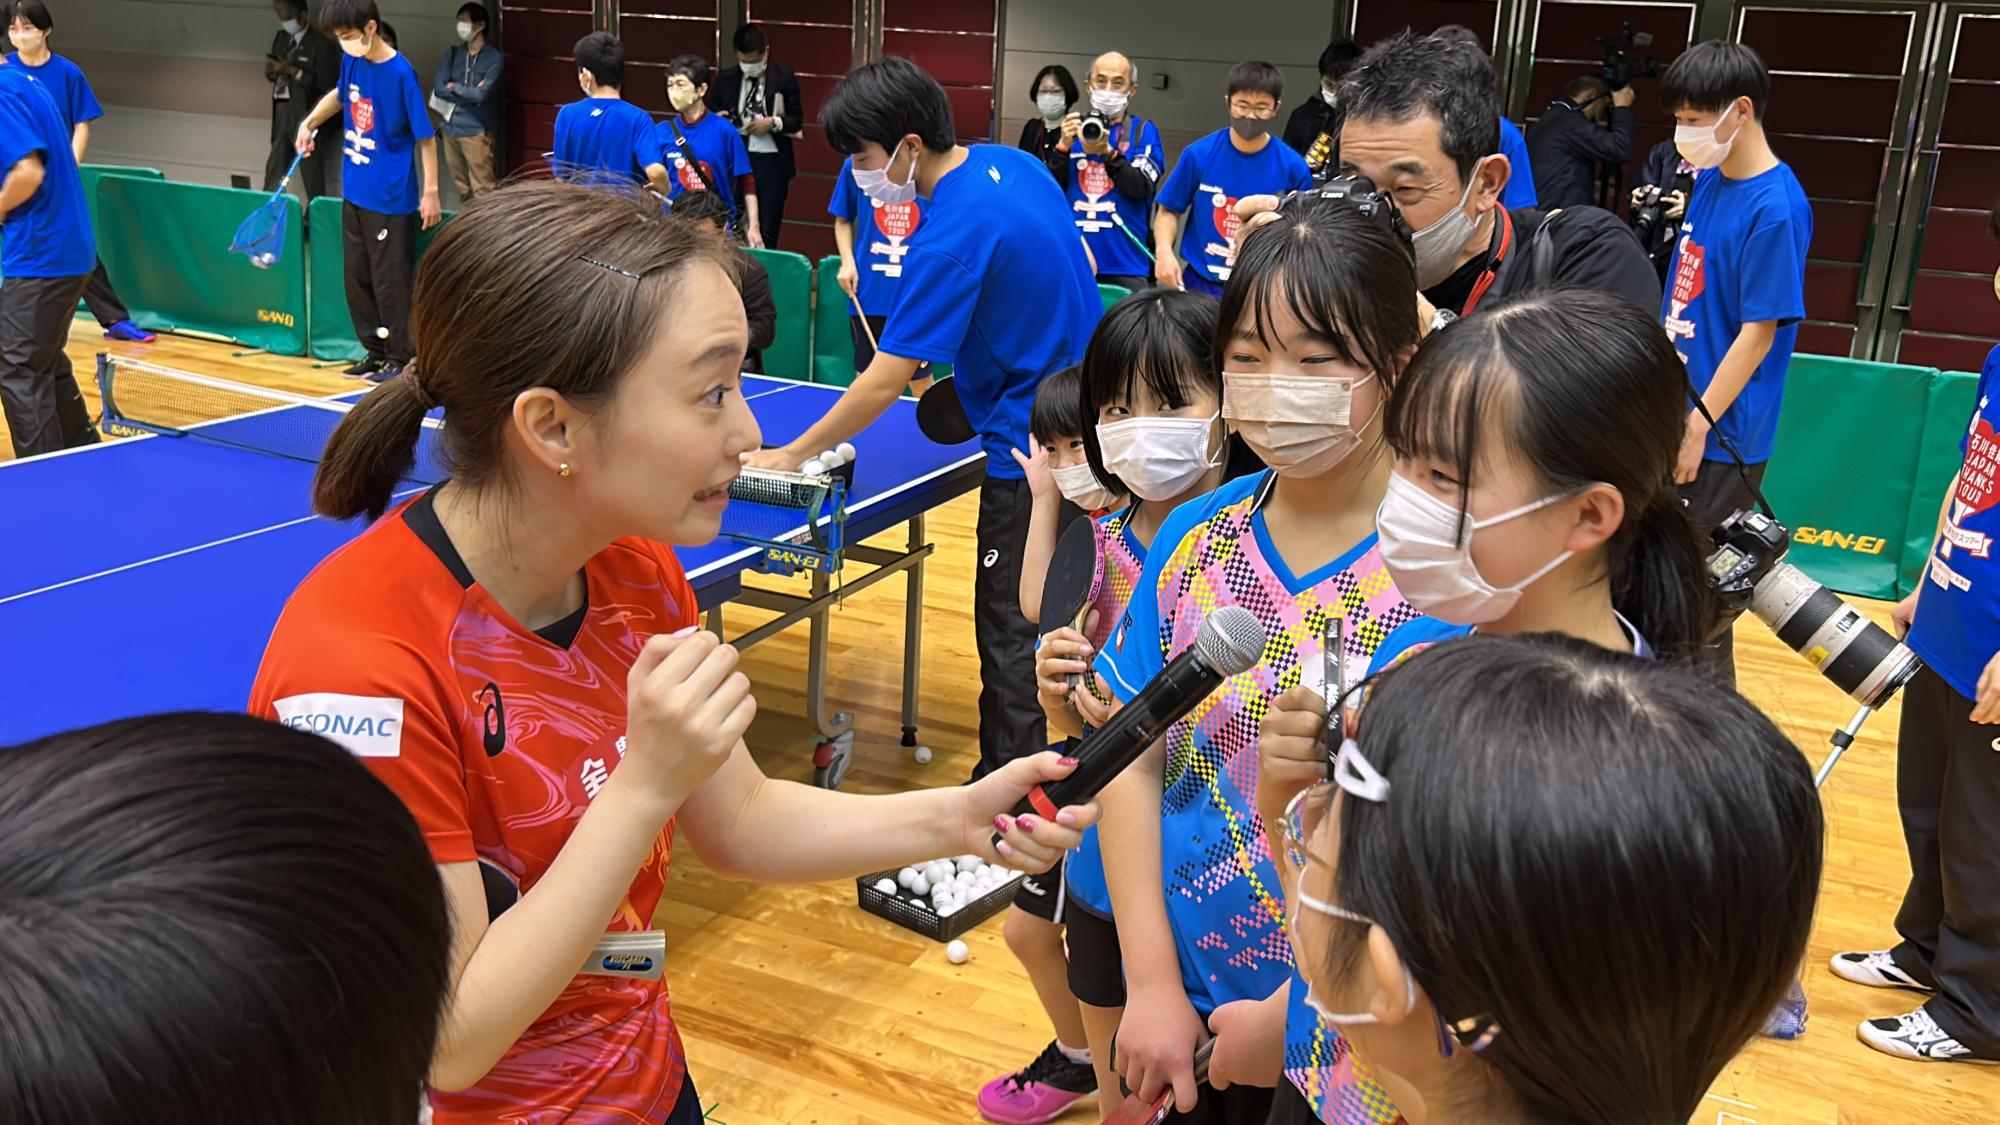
(1231, 640)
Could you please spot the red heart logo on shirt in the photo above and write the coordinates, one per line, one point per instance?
(364, 114)
(896, 220)
(1978, 486)
(1095, 180)
(1689, 278)
(1225, 218)
(689, 177)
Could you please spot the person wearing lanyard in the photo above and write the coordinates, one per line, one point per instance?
(464, 95)
(1110, 179)
(703, 152)
(1422, 123)
(761, 98)
(998, 286)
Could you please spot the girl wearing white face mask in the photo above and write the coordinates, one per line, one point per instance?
(1317, 321)
(1499, 965)
(1150, 401)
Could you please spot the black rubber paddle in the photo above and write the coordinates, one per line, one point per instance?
(941, 416)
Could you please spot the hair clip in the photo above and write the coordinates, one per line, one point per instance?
(1356, 775)
(1474, 1033)
(607, 266)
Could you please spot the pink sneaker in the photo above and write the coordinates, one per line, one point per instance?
(1039, 1093)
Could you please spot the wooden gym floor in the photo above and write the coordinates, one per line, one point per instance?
(799, 1008)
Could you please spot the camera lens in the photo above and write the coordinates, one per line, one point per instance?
(1092, 130)
(1857, 655)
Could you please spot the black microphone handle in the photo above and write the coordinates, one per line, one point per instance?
(1184, 682)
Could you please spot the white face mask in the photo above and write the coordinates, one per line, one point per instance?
(1438, 246)
(26, 41)
(1052, 106)
(875, 183)
(1343, 1019)
(357, 46)
(1300, 425)
(1699, 145)
(290, 27)
(755, 69)
(1433, 568)
(465, 33)
(1110, 103)
(1332, 98)
(1081, 487)
(1158, 458)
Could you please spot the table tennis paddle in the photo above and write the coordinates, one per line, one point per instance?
(1135, 1110)
(1076, 570)
(941, 416)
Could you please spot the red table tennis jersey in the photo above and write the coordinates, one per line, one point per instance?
(496, 738)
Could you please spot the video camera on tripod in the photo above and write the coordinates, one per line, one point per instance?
(1621, 66)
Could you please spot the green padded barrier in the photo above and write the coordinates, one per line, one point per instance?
(833, 346)
(95, 172)
(1111, 294)
(1845, 466)
(790, 355)
(1948, 410)
(331, 329)
(167, 246)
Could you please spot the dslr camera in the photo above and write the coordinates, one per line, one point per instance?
(1095, 128)
(1648, 215)
(1359, 192)
(1621, 66)
(1857, 655)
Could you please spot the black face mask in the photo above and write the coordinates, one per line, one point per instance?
(1249, 128)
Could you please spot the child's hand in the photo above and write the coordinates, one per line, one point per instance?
(1249, 1042)
(1064, 653)
(1291, 750)
(1986, 707)
(1041, 482)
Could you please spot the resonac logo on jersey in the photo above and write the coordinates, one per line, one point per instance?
(369, 726)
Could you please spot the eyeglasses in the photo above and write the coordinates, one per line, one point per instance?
(1261, 112)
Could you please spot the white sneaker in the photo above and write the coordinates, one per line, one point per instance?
(1916, 1036)
(1876, 969)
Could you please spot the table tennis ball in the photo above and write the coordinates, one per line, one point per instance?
(813, 467)
(920, 886)
(937, 871)
(264, 261)
(962, 880)
(846, 451)
(968, 863)
(906, 876)
(886, 886)
(922, 755)
(957, 953)
(829, 458)
(382, 333)
(948, 911)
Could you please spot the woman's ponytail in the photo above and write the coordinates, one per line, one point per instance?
(1663, 588)
(372, 449)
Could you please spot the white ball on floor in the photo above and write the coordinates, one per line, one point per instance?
(957, 953)
(382, 333)
(906, 876)
(920, 886)
(922, 755)
(886, 886)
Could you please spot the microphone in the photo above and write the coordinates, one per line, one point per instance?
(1231, 642)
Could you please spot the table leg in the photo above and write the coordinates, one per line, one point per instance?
(913, 634)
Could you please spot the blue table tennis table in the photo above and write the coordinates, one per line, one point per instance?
(145, 575)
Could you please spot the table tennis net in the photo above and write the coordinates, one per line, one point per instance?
(145, 398)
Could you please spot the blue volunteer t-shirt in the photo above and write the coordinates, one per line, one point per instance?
(67, 85)
(1094, 199)
(1207, 181)
(604, 141)
(997, 286)
(1957, 628)
(49, 235)
(882, 234)
(383, 116)
(1520, 189)
(1741, 259)
(714, 144)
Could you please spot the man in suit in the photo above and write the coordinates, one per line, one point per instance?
(761, 98)
(302, 65)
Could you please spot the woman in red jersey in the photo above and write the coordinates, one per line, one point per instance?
(516, 651)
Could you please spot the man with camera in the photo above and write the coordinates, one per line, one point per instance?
(1590, 124)
(1422, 122)
(761, 98)
(1660, 202)
(1114, 162)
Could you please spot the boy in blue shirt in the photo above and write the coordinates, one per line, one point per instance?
(28, 26)
(384, 125)
(996, 285)
(703, 152)
(605, 139)
(1736, 291)
(48, 255)
(1214, 173)
(1110, 180)
(873, 239)
(1948, 776)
